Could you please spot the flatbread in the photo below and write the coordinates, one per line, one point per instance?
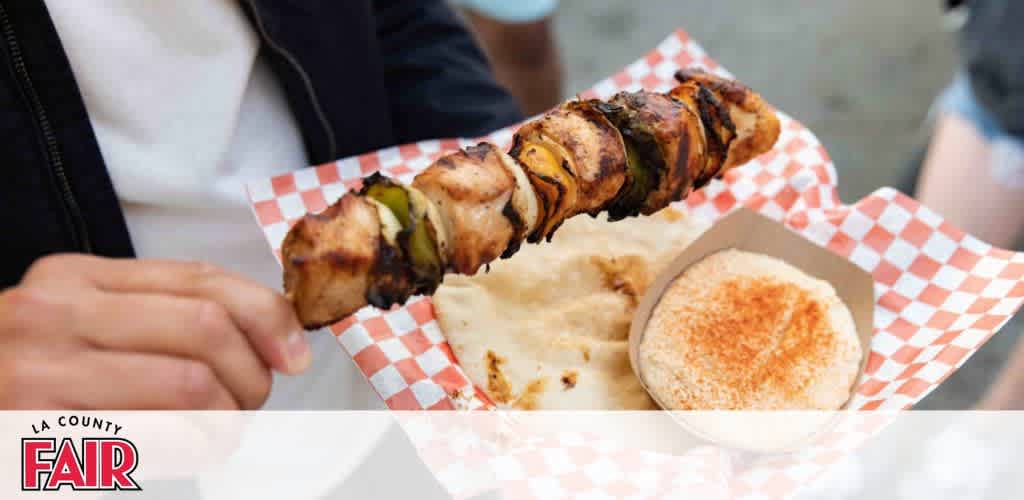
(548, 329)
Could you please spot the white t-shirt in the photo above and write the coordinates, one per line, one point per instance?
(185, 113)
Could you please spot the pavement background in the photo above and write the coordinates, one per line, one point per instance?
(860, 74)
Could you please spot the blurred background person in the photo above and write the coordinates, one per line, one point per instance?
(973, 173)
(519, 40)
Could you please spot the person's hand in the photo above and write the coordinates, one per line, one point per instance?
(94, 333)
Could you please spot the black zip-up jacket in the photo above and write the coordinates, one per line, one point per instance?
(359, 75)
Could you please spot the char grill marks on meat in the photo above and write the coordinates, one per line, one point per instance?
(633, 154)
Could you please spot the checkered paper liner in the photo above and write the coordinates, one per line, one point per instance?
(473, 452)
(940, 293)
(526, 456)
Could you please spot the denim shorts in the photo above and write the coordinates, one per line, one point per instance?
(1007, 162)
(511, 11)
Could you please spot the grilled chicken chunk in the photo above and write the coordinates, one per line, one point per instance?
(591, 148)
(654, 122)
(471, 190)
(328, 258)
(754, 125)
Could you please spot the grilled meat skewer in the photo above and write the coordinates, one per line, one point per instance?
(633, 154)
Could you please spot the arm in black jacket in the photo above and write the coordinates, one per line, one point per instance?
(438, 81)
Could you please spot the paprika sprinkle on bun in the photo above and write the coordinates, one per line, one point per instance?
(744, 331)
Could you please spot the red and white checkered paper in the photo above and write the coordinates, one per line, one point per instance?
(940, 293)
(473, 452)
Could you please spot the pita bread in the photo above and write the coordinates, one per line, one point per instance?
(548, 328)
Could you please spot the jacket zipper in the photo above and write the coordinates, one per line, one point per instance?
(54, 159)
(306, 81)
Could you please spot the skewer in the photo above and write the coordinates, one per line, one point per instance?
(633, 154)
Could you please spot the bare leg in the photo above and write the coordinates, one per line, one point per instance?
(957, 183)
(1007, 392)
(525, 58)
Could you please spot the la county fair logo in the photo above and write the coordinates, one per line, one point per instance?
(93, 463)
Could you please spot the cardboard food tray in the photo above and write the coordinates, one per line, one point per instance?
(939, 294)
(747, 230)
